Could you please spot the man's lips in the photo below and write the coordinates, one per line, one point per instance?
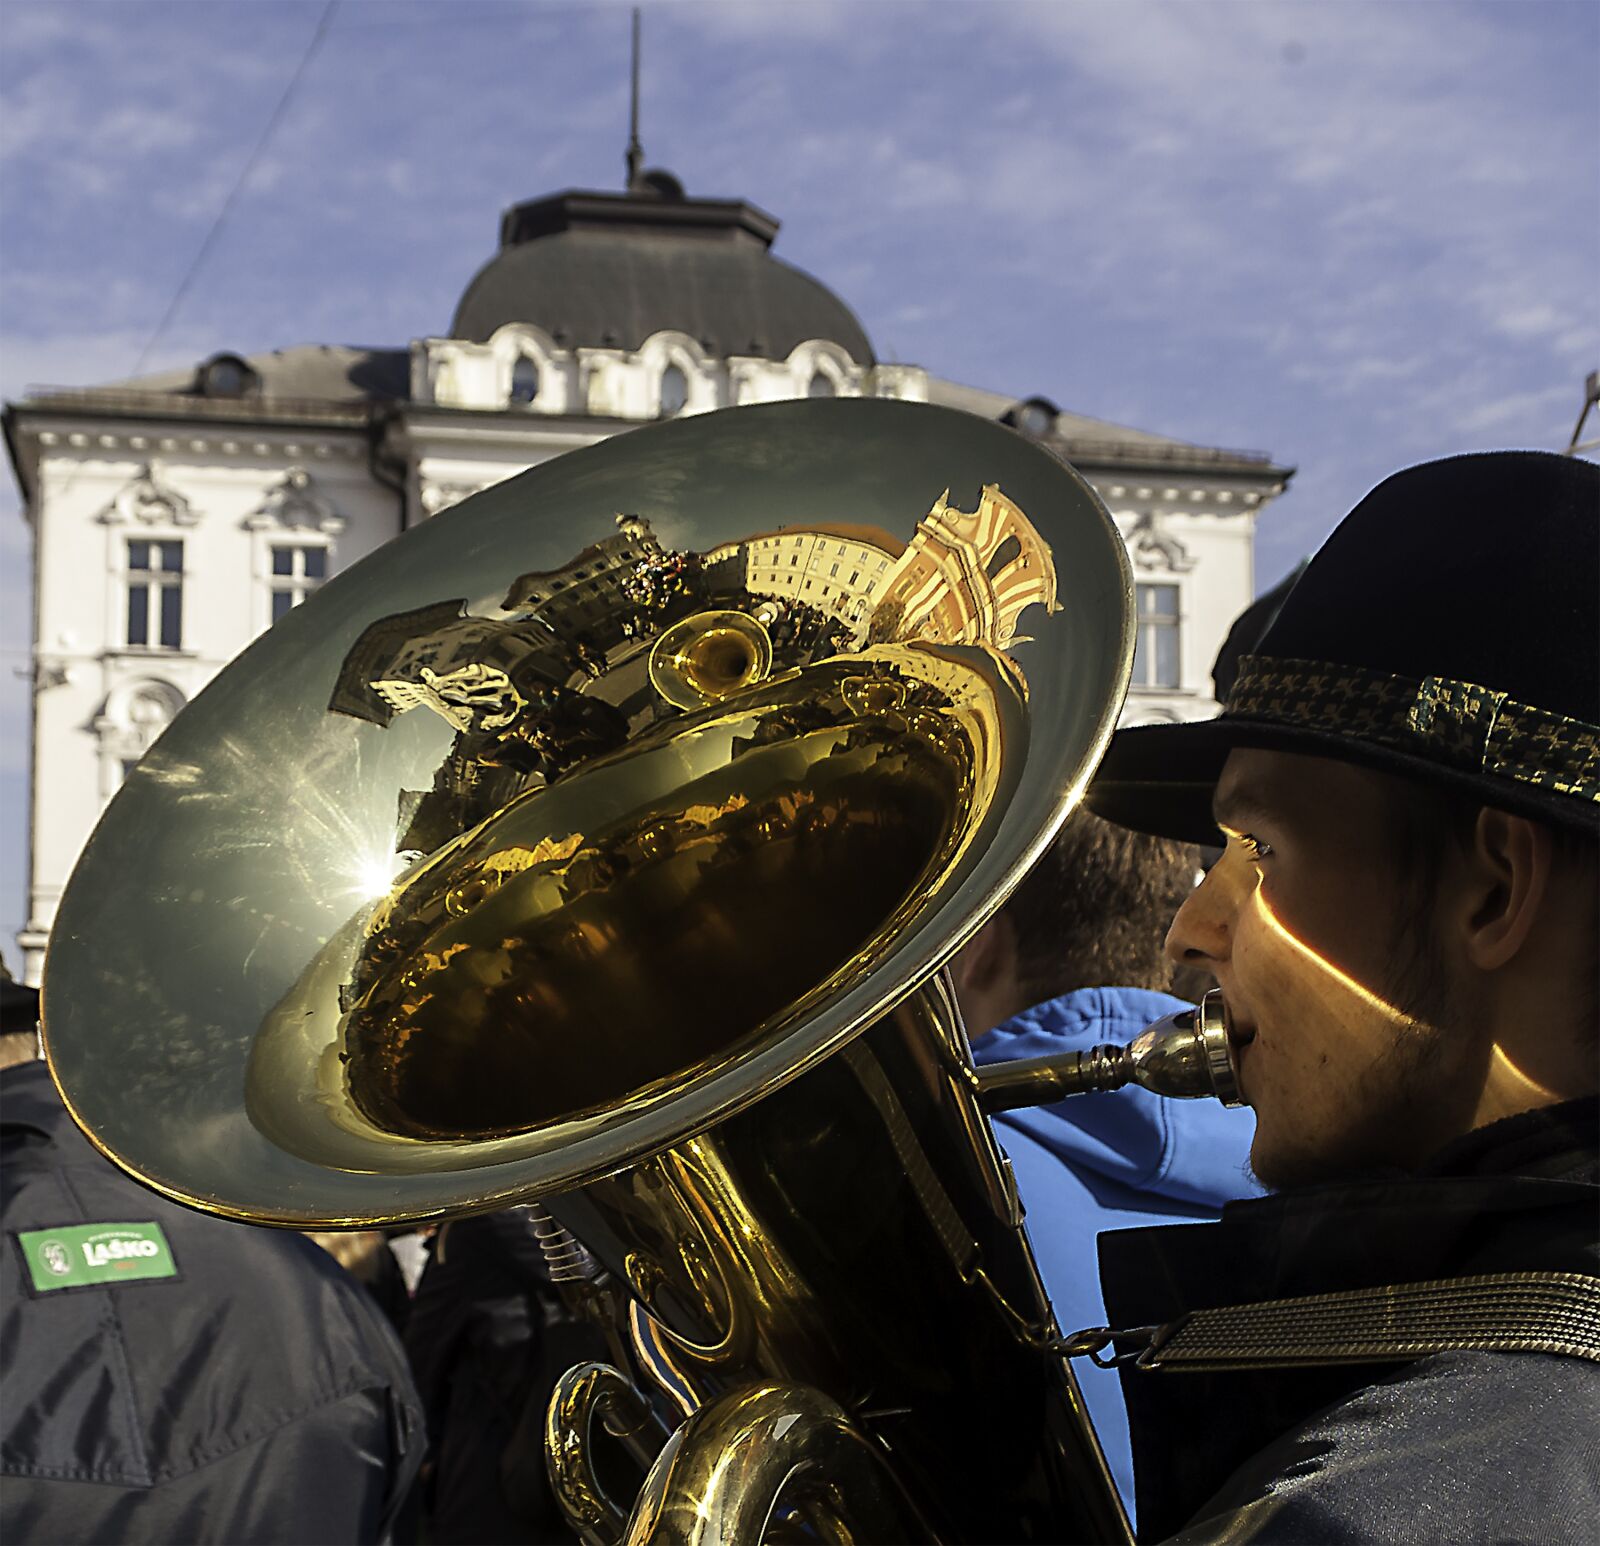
(1239, 1037)
(1240, 1032)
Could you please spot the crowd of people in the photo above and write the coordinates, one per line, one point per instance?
(1380, 1320)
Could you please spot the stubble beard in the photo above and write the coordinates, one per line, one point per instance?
(1406, 1103)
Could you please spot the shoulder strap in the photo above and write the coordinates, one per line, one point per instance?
(1504, 1312)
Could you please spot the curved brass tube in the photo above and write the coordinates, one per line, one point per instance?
(587, 1391)
(720, 1477)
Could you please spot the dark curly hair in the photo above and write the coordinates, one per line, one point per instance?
(1094, 911)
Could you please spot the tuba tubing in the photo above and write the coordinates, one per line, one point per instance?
(720, 1479)
(858, 1233)
(594, 1404)
(722, 1474)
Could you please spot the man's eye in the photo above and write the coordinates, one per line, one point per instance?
(1253, 846)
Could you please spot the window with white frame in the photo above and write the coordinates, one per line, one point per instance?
(1155, 656)
(821, 385)
(297, 570)
(155, 593)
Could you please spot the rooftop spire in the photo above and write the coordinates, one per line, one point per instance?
(635, 149)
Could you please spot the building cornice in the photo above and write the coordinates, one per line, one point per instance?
(1125, 490)
(110, 402)
(34, 431)
(1161, 464)
(508, 428)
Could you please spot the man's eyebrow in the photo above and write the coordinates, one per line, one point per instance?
(1242, 802)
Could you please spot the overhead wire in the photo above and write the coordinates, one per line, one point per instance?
(217, 225)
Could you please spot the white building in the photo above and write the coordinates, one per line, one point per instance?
(177, 516)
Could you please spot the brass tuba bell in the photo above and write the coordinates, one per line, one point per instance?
(598, 844)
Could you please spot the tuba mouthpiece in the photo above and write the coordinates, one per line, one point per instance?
(1185, 1056)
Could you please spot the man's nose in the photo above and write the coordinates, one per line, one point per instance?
(1202, 932)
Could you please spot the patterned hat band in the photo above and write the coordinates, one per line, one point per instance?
(1456, 724)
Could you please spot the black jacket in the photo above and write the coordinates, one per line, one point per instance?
(256, 1395)
(1458, 1447)
(488, 1337)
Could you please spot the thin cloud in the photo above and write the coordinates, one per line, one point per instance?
(1354, 235)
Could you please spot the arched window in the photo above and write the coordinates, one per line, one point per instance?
(674, 391)
(524, 380)
(821, 386)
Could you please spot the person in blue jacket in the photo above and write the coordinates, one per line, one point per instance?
(1075, 958)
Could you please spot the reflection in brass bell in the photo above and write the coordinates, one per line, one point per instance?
(543, 855)
(464, 741)
(710, 656)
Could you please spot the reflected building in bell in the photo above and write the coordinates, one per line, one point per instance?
(177, 516)
(967, 576)
(840, 569)
(584, 593)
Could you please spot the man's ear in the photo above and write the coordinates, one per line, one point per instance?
(979, 964)
(1509, 874)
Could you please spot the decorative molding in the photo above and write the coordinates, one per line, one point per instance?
(150, 500)
(50, 671)
(608, 382)
(228, 445)
(440, 496)
(293, 502)
(134, 716)
(1154, 547)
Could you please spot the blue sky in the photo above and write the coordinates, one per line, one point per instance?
(1353, 234)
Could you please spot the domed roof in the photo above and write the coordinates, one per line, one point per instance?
(608, 270)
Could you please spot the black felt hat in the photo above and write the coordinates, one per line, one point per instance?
(1448, 631)
(19, 1006)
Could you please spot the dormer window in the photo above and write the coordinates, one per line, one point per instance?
(821, 386)
(674, 391)
(524, 380)
(1034, 416)
(226, 375)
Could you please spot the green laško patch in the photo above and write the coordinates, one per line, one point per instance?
(95, 1255)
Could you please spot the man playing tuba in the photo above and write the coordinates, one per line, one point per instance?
(1403, 925)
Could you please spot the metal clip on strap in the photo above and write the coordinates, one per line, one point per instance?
(1506, 1312)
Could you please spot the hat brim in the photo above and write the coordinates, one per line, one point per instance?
(1160, 779)
(19, 1007)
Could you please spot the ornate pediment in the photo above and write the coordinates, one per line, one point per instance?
(294, 503)
(151, 501)
(1152, 546)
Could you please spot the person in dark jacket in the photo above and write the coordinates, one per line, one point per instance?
(1403, 1343)
(1071, 961)
(166, 1376)
(488, 1336)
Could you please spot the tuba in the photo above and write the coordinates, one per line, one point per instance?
(598, 843)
